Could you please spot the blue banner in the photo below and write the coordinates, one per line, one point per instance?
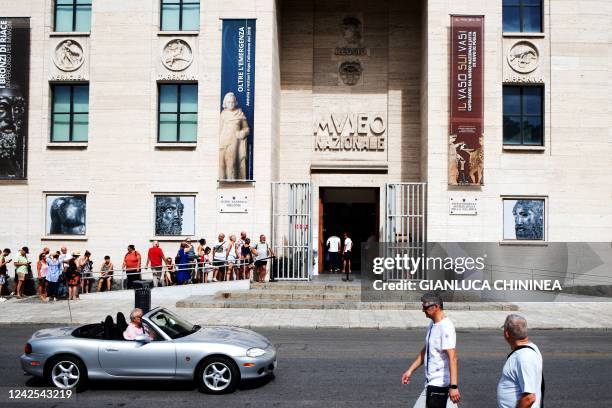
(237, 100)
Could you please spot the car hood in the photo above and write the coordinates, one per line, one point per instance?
(54, 332)
(229, 335)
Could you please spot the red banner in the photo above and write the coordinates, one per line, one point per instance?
(465, 150)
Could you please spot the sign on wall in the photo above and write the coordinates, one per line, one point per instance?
(465, 145)
(236, 131)
(14, 82)
(463, 206)
(233, 203)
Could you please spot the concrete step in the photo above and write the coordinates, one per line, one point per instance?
(271, 294)
(210, 302)
(305, 285)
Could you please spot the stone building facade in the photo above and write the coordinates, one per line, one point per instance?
(351, 98)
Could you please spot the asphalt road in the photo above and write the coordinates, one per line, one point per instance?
(353, 368)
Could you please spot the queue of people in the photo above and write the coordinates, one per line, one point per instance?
(60, 273)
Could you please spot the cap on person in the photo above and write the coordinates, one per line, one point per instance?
(76, 253)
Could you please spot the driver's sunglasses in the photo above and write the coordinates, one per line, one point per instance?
(425, 307)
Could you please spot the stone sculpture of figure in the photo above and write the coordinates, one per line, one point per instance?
(351, 31)
(169, 216)
(69, 54)
(176, 51)
(233, 133)
(12, 109)
(68, 215)
(529, 219)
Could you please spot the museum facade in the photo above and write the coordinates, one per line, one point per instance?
(398, 121)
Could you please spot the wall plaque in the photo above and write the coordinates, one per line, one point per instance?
(463, 206)
(233, 203)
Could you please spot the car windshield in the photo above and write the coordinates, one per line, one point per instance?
(172, 325)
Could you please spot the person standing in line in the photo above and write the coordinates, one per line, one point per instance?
(42, 269)
(521, 382)
(106, 274)
(206, 264)
(85, 266)
(200, 252)
(333, 250)
(132, 262)
(219, 258)
(3, 271)
(54, 273)
(262, 251)
(182, 275)
(246, 260)
(169, 273)
(21, 269)
(439, 357)
(239, 246)
(73, 276)
(231, 256)
(191, 259)
(346, 256)
(155, 259)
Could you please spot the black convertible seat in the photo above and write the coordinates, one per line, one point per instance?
(109, 328)
(121, 326)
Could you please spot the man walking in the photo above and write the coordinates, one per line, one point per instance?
(155, 258)
(520, 385)
(346, 256)
(439, 357)
(333, 250)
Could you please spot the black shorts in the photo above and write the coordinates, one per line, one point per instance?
(261, 263)
(219, 264)
(347, 256)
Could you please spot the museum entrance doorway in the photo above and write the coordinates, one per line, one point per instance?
(347, 209)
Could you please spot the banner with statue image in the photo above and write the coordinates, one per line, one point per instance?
(14, 79)
(465, 143)
(237, 100)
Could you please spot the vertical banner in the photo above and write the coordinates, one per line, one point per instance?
(237, 100)
(465, 145)
(14, 78)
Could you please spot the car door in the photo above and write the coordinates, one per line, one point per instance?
(126, 358)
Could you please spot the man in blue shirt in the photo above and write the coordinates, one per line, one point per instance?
(520, 385)
(56, 267)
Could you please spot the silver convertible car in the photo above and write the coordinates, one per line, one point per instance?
(216, 358)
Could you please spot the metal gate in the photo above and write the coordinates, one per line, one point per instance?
(405, 230)
(291, 230)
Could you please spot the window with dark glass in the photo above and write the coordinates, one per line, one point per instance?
(72, 15)
(69, 113)
(180, 15)
(177, 113)
(522, 16)
(523, 115)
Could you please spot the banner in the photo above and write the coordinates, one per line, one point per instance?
(14, 83)
(465, 145)
(237, 100)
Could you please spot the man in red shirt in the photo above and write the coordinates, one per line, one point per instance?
(155, 257)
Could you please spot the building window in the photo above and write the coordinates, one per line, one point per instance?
(72, 15)
(523, 115)
(70, 113)
(180, 15)
(522, 16)
(178, 113)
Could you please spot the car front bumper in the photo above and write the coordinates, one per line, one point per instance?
(33, 364)
(257, 367)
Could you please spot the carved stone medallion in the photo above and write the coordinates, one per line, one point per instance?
(523, 57)
(177, 55)
(68, 55)
(350, 72)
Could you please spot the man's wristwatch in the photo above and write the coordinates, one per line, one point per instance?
(454, 386)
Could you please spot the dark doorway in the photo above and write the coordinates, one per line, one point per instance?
(347, 209)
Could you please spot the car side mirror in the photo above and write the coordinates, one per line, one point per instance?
(142, 338)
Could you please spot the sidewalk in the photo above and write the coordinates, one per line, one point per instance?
(94, 308)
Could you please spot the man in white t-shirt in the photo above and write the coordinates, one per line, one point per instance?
(333, 249)
(346, 255)
(439, 357)
(219, 258)
(520, 384)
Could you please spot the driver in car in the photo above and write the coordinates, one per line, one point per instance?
(135, 327)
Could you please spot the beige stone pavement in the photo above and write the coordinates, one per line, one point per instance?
(577, 315)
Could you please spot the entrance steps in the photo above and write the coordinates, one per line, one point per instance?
(325, 294)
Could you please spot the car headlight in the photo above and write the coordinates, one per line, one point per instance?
(255, 352)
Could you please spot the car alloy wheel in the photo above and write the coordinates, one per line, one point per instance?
(217, 376)
(65, 374)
